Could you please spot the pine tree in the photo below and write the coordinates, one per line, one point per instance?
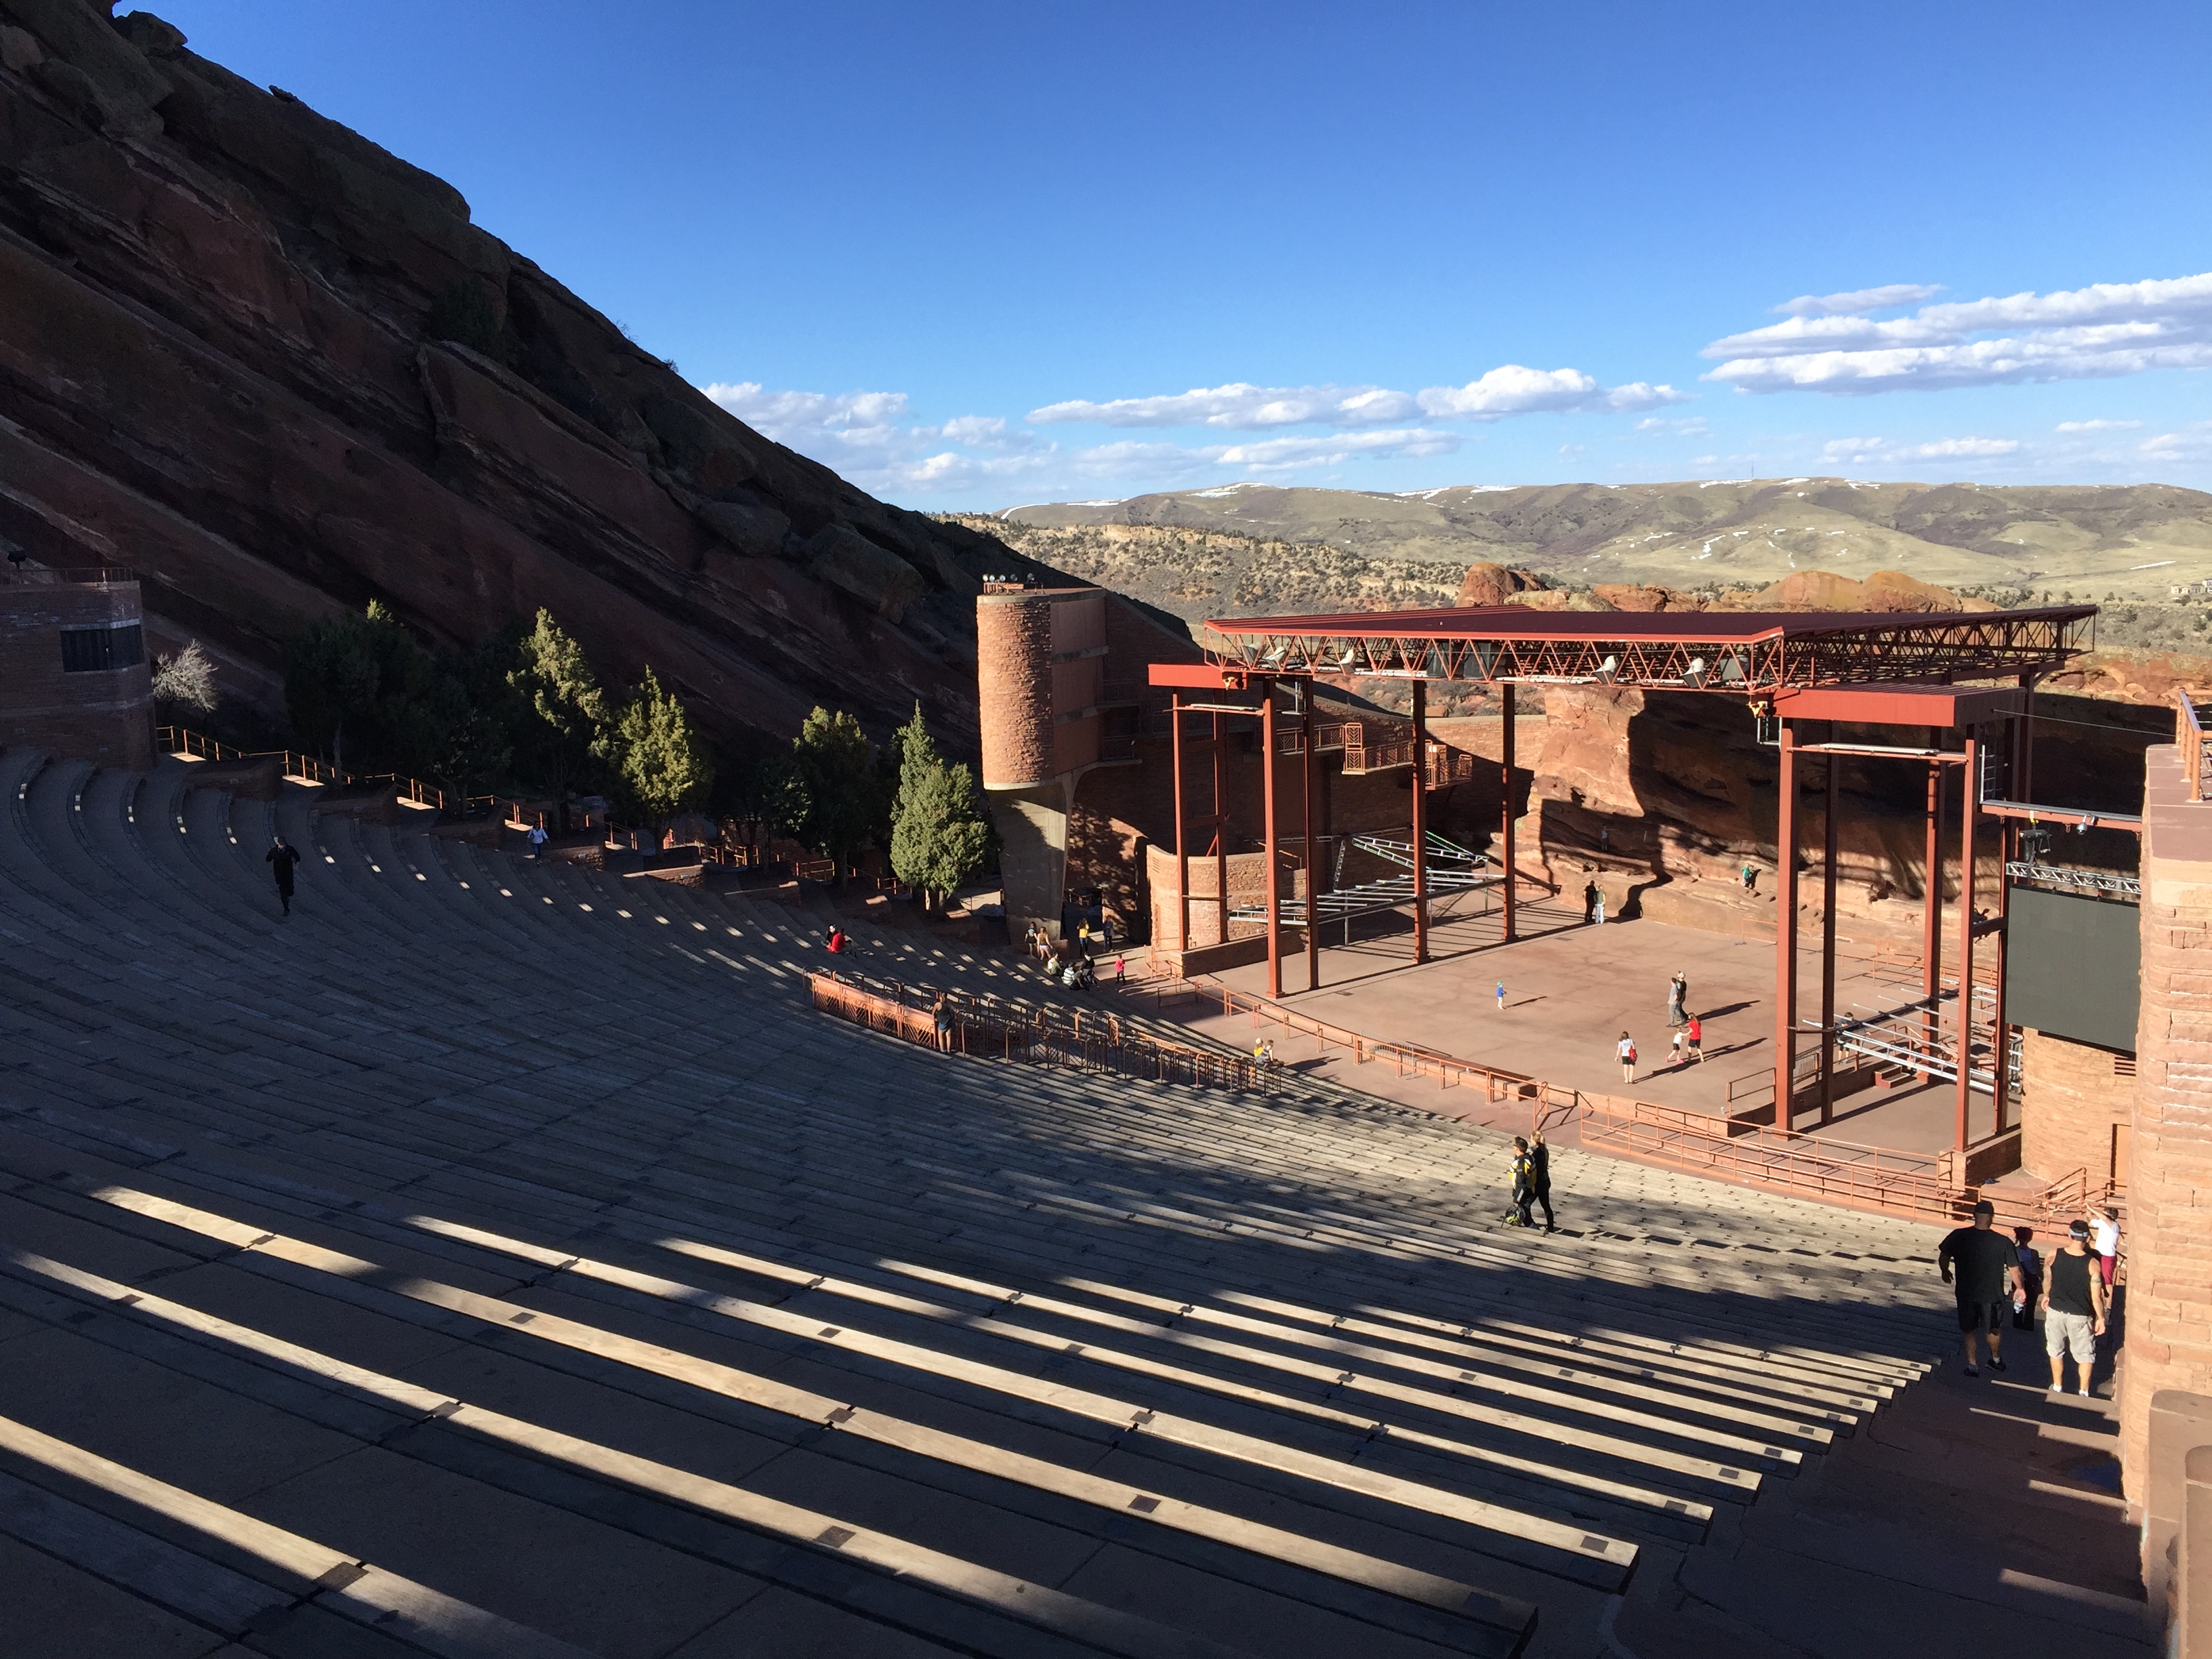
(939, 838)
(353, 678)
(569, 735)
(834, 789)
(664, 766)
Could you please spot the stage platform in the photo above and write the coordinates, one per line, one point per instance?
(1570, 989)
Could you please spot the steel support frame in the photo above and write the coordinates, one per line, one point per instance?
(1506, 813)
(1931, 917)
(1785, 932)
(1420, 835)
(1273, 876)
(1310, 731)
(1828, 939)
(1964, 1097)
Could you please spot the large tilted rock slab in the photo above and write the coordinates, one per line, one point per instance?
(217, 366)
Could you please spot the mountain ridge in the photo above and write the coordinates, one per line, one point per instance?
(2134, 540)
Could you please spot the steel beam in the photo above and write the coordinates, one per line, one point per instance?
(1785, 934)
(1310, 731)
(1181, 832)
(1420, 836)
(1931, 910)
(1828, 945)
(1273, 874)
(1505, 812)
(1966, 821)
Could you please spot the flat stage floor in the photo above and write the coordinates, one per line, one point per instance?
(1570, 990)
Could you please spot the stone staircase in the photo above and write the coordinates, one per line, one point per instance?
(499, 1257)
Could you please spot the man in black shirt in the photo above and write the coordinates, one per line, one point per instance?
(2073, 1310)
(282, 858)
(1989, 1273)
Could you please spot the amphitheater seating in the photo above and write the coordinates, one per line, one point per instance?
(497, 1256)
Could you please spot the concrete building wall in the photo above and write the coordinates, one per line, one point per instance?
(2076, 1103)
(104, 715)
(2169, 1196)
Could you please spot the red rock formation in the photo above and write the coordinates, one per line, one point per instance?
(215, 367)
(1493, 584)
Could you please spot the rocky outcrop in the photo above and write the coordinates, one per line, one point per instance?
(277, 370)
(1494, 584)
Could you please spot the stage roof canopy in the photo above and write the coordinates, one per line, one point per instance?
(1742, 652)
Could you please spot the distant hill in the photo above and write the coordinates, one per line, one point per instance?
(2131, 540)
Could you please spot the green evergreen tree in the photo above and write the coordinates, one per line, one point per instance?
(834, 790)
(939, 838)
(664, 766)
(567, 736)
(350, 682)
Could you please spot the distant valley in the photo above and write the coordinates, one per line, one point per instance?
(1262, 547)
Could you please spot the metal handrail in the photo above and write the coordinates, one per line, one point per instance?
(310, 769)
(984, 1026)
(2189, 735)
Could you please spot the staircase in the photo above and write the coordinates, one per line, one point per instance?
(498, 1256)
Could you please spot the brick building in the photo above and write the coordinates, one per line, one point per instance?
(2169, 1174)
(73, 673)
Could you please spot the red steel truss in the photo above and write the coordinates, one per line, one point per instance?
(1745, 653)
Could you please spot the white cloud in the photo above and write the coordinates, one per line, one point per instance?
(1243, 407)
(2096, 426)
(1690, 426)
(867, 437)
(2107, 328)
(1857, 300)
(2191, 443)
(1871, 449)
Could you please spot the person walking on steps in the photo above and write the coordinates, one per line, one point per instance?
(1524, 1185)
(1626, 1049)
(2029, 1293)
(283, 859)
(2073, 1302)
(2105, 1233)
(537, 840)
(1121, 971)
(1988, 1274)
(1540, 1180)
(943, 1019)
(1696, 1032)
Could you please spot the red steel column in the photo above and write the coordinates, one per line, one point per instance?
(1505, 812)
(1785, 932)
(1965, 936)
(1828, 940)
(1183, 839)
(1420, 821)
(1221, 829)
(1312, 735)
(1273, 882)
(1931, 918)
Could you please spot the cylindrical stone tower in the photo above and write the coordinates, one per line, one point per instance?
(1014, 676)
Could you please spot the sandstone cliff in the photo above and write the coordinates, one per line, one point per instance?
(277, 370)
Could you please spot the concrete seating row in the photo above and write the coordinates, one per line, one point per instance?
(505, 1216)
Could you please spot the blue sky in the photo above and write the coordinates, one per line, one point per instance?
(978, 255)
